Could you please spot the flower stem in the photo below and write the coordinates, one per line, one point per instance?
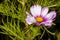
(42, 34)
(48, 31)
(28, 33)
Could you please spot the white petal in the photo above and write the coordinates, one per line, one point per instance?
(45, 11)
(35, 10)
(30, 19)
(28, 15)
(48, 23)
(51, 15)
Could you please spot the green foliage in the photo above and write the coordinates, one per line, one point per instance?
(35, 32)
(13, 29)
(58, 36)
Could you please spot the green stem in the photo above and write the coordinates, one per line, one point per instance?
(42, 34)
(28, 33)
(48, 31)
(53, 5)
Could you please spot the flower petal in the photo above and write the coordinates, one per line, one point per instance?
(51, 15)
(38, 23)
(35, 10)
(28, 15)
(30, 19)
(48, 23)
(44, 11)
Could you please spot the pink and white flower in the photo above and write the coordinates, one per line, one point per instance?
(40, 16)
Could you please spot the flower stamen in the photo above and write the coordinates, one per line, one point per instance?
(39, 19)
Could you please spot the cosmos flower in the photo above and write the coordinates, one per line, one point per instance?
(40, 16)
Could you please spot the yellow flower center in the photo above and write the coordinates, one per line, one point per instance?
(39, 19)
